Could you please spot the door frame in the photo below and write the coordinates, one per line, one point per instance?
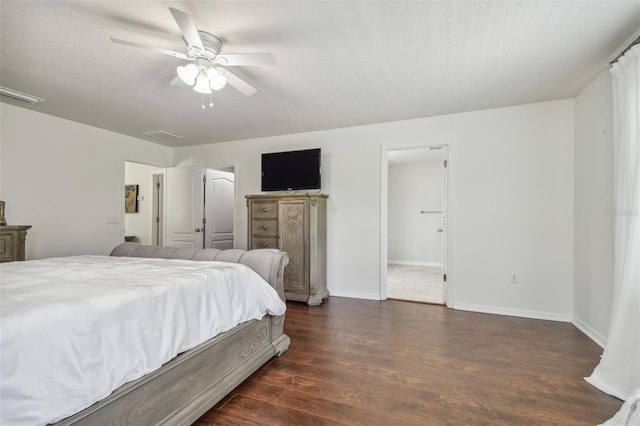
(448, 252)
(157, 229)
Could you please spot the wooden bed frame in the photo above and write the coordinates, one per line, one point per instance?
(185, 388)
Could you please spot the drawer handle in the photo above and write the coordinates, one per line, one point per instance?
(265, 245)
(264, 210)
(265, 227)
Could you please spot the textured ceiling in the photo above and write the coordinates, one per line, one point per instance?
(340, 63)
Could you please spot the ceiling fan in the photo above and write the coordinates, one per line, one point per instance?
(205, 71)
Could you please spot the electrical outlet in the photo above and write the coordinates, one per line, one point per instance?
(514, 277)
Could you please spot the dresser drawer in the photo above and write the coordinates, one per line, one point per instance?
(264, 227)
(264, 242)
(264, 209)
(12, 240)
(6, 248)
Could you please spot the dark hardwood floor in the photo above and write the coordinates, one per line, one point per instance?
(361, 362)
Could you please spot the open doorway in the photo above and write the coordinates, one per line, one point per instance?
(144, 217)
(416, 224)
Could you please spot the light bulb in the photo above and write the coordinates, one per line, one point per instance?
(216, 80)
(188, 74)
(202, 84)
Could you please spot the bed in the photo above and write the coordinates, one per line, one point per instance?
(199, 369)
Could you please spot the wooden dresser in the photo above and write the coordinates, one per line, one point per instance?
(12, 242)
(296, 224)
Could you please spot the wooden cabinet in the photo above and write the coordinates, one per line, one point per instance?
(295, 223)
(12, 242)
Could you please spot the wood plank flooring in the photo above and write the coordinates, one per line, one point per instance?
(361, 362)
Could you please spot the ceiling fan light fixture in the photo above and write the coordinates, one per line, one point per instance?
(202, 84)
(188, 74)
(216, 80)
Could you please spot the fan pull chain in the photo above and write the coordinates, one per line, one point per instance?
(210, 100)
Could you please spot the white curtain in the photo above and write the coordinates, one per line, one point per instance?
(618, 373)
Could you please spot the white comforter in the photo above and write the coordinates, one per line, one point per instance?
(76, 328)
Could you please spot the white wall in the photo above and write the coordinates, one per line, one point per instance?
(511, 175)
(140, 224)
(413, 237)
(593, 218)
(66, 180)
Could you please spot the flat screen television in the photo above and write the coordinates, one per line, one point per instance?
(291, 170)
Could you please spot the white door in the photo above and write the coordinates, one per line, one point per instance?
(219, 202)
(185, 215)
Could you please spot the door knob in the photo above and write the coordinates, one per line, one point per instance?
(198, 229)
(440, 230)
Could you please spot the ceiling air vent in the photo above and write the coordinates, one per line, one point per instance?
(162, 136)
(10, 93)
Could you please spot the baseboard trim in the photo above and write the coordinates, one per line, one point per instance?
(414, 263)
(598, 338)
(589, 332)
(522, 313)
(354, 294)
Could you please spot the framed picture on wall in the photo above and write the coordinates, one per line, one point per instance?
(131, 198)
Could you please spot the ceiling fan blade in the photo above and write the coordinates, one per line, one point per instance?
(152, 48)
(240, 59)
(177, 81)
(239, 84)
(188, 27)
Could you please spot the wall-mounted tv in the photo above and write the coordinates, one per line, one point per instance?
(291, 170)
